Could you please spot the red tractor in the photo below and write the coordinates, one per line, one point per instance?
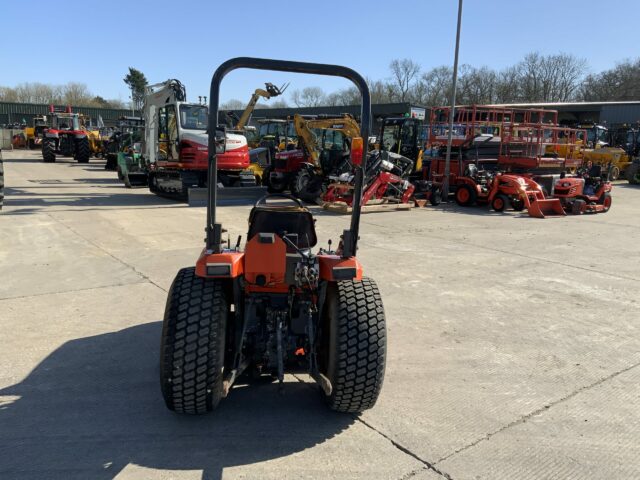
(504, 190)
(65, 137)
(588, 192)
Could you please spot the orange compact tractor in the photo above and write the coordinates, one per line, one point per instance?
(275, 306)
(588, 192)
(501, 190)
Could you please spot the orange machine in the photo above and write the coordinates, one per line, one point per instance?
(501, 190)
(588, 192)
(275, 306)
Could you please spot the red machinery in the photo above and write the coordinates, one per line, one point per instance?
(523, 141)
(65, 137)
(501, 190)
(386, 179)
(589, 192)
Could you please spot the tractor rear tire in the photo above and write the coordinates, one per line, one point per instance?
(193, 343)
(633, 173)
(500, 202)
(48, 151)
(305, 186)
(466, 195)
(606, 200)
(83, 151)
(355, 345)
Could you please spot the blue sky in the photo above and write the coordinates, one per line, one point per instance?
(189, 39)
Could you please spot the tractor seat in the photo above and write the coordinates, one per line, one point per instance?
(294, 221)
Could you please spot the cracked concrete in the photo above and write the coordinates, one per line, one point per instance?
(513, 344)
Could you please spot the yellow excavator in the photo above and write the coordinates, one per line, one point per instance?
(269, 92)
(323, 147)
(259, 157)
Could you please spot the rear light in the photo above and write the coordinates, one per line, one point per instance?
(219, 269)
(357, 150)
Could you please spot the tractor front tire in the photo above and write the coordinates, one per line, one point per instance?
(48, 151)
(193, 343)
(466, 195)
(83, 151)
(435, 197)
(578, 207)
(354, 347)
(500, 202)
(517, 204)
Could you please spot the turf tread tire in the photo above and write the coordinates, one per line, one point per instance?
(472, 196)
(193, 343)
(357, 345)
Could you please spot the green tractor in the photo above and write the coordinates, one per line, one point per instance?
(132, 169)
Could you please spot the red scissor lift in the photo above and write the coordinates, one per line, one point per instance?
(516, 140)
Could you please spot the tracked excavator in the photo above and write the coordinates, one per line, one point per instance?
(323, 148)
(175, 145)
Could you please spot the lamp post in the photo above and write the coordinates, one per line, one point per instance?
(447, 163)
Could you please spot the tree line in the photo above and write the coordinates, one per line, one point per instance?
(536, 78)
(75, 93)
(558, 77)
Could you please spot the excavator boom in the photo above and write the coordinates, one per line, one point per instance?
(345, 124)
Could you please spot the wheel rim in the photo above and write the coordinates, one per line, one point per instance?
(607, 203)
(498, 204)
(463, 195)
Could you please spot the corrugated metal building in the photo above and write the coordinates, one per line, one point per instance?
(608, 113)
(19, 112)
(379, 112)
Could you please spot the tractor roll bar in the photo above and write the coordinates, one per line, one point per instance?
(214, 230)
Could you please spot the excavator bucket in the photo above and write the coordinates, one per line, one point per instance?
(550, 207)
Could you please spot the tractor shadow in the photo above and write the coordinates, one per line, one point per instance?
(475, 210)
(93, 406)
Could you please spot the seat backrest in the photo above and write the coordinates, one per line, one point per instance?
(595, 171)
(283, 220)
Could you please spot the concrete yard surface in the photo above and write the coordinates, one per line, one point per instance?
(513, 344)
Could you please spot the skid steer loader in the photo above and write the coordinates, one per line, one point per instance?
(275, 306)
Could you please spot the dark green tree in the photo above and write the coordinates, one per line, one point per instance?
(136, 81)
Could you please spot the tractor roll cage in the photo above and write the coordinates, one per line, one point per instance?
(213, 229)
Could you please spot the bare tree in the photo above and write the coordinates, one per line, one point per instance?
(404, 73)
(435, 86)
(308, 97)
(551, 78)
(233, 104)
(621, 82)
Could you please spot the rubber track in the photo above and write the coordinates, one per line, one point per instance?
(193, 337)
(360, 346)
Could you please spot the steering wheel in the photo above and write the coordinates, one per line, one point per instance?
(286, 196)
